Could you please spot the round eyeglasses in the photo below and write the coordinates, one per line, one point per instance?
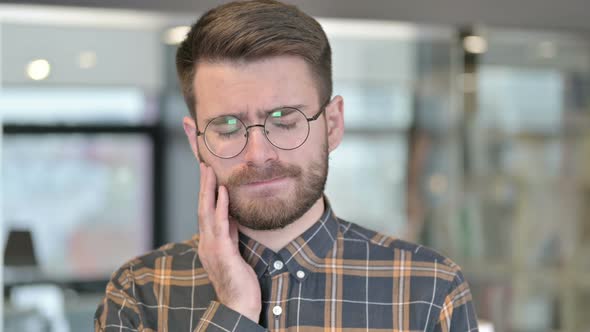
(286, 128)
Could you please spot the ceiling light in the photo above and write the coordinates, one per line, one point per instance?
(87, 59)
(546, 50)
(38, 69)
(475, 44)
(176, 35)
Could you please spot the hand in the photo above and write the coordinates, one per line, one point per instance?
(233, 279)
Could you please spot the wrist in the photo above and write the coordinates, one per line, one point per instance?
(252, 313)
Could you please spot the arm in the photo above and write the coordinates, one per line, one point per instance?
(120, 310)
(234, 281)
(218, 317)
(457, 313)
(117, 310)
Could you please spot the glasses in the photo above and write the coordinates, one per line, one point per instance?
(286, 128)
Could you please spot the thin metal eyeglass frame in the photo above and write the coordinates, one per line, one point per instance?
(263, 126)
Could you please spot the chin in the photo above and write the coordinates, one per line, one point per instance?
(277, 204)
(271, 214)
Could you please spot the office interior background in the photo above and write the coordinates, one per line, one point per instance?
(467, 130)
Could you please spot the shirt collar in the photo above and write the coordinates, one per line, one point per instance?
(301, 256)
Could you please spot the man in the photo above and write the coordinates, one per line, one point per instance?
(271, 253)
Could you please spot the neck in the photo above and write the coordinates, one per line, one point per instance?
(277, 239)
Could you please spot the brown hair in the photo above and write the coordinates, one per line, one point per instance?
(252, 30)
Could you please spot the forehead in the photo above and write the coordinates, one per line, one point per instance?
(230, 87)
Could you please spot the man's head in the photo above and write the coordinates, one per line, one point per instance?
(252, 30)
(249, 60)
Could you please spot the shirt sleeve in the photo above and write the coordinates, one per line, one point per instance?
(221, 318)
(457, 313)
(119, 311)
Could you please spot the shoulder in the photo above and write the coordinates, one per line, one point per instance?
(171, 257)
(386, 247)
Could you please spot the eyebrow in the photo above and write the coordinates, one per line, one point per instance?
(259, 113)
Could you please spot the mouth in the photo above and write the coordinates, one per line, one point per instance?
(266, 181)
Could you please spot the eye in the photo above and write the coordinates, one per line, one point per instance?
(285, 126)
(284, 113)
(225, 126)
(286, 118)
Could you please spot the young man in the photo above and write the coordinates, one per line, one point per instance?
(271, 253)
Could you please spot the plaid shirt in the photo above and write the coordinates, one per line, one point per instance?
(336, 276)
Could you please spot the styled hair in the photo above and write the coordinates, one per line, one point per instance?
(253, 30)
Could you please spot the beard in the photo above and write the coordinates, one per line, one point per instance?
(272, 212)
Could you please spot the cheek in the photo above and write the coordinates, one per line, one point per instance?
(318, 135)
(316, 144)
(304, 156)
(222, 169)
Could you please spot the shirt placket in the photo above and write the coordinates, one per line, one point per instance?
(277, 298)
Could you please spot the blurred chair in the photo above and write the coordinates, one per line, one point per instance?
(20, 261)
(45, 303)
(25, 320)
(33, 306)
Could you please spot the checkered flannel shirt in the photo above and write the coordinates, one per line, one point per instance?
(336, 276)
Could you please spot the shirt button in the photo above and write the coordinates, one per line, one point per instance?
(278, 265)
(300, 274)
(277, 310)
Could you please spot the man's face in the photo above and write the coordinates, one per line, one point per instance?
(268, 187)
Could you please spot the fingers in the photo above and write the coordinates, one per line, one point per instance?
(221, 211)
(208, 195)
(213, 213)
(207, 199)
(202, 213)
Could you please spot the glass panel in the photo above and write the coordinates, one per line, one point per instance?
(30, 105)
(582, 306)
(394, 78)
(528, 183)
(85, 198)
(580, 166)
(494, 297)
(375, 168)
(444, 223)
(535, 308)
(514, 100)
(373, 105)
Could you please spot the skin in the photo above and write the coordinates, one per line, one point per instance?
(248, 87)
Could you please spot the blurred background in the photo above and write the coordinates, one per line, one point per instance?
(467, 125)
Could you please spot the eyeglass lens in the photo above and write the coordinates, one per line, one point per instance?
(286, 128)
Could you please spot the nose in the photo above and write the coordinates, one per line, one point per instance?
(258, 150)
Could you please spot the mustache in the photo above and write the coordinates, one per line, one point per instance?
(273, 170)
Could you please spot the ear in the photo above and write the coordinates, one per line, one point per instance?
(190, 129)
(335, 122)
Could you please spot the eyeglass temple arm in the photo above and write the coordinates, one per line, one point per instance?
(322, 109)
